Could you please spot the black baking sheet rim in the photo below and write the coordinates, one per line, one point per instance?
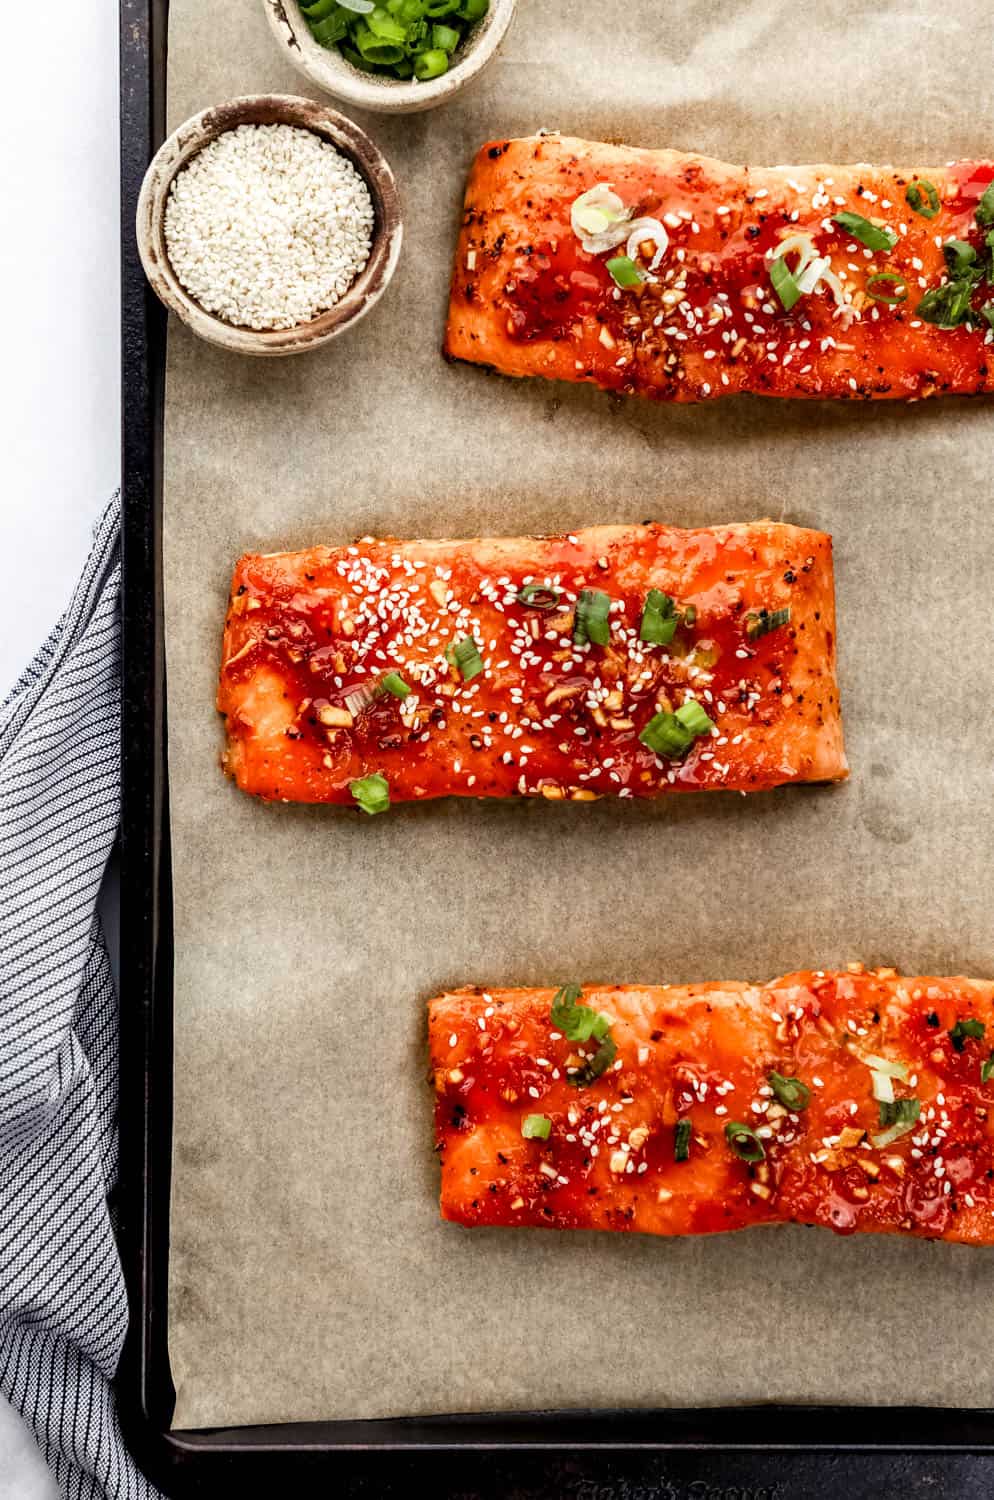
(734, 1452)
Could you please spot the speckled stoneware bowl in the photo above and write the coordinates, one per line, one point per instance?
(326, 66)
(270, 109)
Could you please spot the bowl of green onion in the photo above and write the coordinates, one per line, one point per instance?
(395, 56)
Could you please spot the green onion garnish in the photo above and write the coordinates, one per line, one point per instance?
(900, 1117)
(784, 283)
(891, 278)
(987, 313)
(744, 1141)
(987, 1069)
(885, 1065)
(590, 622)
(961, 259)
(624, 272)
(929, 204)
(329, 30)
(681, 1141)
(446, 38)
(594, 1066)
(659, 618)
(693, 718)
(578, 1023)
(466, 657)
(665, 735)
(371, 792)
(970, 1027)
(395, 38)
(536, 596)
(984, 212)
(394, 683)
(791, 1092)
(431, 64)
(536, 1127)
(762, 622)
(673, 734)
(899, 1111)
(868, 234)
(947, 306)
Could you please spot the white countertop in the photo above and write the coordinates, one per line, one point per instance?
(60, 413)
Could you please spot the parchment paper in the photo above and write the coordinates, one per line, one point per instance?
(310, 1275)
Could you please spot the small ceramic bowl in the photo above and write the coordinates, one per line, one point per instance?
(270, 109)
(326, 66)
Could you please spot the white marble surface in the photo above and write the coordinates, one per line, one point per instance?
(59, 407)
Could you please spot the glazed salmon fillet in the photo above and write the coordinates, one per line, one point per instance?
(622, 660)
(856, 1100)
(671, 275)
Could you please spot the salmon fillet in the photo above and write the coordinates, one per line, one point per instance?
(858, 1101)
(521, 666)
(528, 299)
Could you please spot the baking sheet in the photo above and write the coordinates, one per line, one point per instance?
(310, 1275)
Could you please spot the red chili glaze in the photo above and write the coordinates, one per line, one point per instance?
(527, 298)
(704, 1054)
(307, 631)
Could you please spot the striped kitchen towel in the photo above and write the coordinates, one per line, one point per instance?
(63, 1308)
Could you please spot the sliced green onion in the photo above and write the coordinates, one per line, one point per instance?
(947, 306)
(681, 1141)
(882, 1064)
(900, 1117)
(762, 622)
(869, 234)
(791, 1092)
(440, 7)
(784, 283)
(927, 205)
(673, 734)
(445, 37)
(624, 272)
(371, 792)
(361, 7)
(578, 1023)
(987, 1069)
(590, 622)
(375, 49)
(987, 313)
(892, 278)
(394, 683)
(383, 25)
(906, 1121)
(659, 618)
(961, 259)
(594, 1066)
(334, 29)
(970, 1027)
(882, 1086)
(899, 1111)
(885, 1138)
(665, 735)
(984, 212)
(467, 658)
(536, 596)
(693, 718)
(322, 9)
(431, 64)
(536, 1127)
(473, 10)
(744, 1141)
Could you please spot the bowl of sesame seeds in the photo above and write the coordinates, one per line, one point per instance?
(269, 224)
